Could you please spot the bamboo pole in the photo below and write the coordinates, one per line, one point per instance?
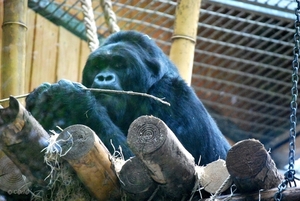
(13, 48)
(184, 37)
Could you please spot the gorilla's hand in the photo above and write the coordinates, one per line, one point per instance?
(61, 104)
(67, 103)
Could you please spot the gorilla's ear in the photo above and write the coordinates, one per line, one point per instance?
(161, 66)
(155, 66)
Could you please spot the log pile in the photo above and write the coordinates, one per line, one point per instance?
(91, 161)
(162, 169)
(255, 169)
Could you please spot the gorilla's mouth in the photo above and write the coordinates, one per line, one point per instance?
(103, 95)
(108, 98)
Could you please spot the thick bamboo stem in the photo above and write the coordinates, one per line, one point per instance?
(13, 48)
(184, 37)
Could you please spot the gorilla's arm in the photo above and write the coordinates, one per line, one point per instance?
(188, 119)
(67, 103)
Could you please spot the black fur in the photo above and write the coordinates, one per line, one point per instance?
(130, 61)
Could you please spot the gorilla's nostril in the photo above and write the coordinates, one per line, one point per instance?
(109, 78)
(101, 78)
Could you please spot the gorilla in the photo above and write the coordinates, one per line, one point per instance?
(129, 61)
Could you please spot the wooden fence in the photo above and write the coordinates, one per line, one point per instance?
(52, 52)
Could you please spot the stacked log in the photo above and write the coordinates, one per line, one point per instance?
(251, 167)
(91, 161)
(136, 181)
(162, 169)
(21, 139)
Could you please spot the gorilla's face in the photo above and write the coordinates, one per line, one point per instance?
(122, 65)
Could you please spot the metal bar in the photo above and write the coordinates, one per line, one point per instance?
(55, 14)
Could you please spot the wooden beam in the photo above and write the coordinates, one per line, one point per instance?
(290, 194)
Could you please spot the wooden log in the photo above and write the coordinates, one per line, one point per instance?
(290, 194)
(251, 167)
(22, 139)
(136, 181)
(213, 175)
(169, 162)
(11, 179)
(90, 159)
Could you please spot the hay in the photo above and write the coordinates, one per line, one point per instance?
(64, 184)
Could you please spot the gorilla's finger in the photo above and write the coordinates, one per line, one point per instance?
(36, 96)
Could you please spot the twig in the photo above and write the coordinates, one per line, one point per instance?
(106, 91)
(17, 97)
(128, 93)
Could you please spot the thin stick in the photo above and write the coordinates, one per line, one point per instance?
(129, 93)
(106, 91)
(17, 97)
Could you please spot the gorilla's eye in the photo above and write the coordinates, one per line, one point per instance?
(119, 65)
(118, 58)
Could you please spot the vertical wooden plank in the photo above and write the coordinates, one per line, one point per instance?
(31, 17)
(68, 51)
(84, 53)
(44, 52)
(1, 22)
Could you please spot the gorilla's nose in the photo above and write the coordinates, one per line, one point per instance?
(106, 78)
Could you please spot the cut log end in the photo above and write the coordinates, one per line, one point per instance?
(22, 140)
(168, 162)
(213, 175)
(251, 166)
(91, 161)
(78, 140)
(136, 180)
(11, 179)
(146, 130)
(246, 158)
